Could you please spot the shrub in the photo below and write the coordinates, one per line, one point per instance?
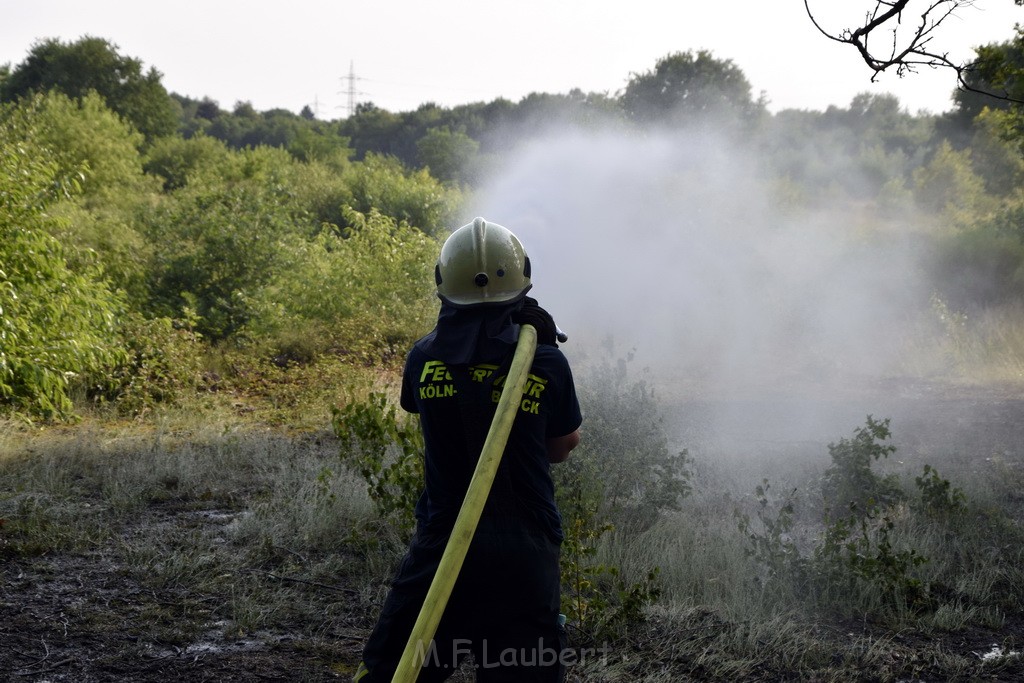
(939, 498)
(387, 452)
(57, 325)
(623, 473)
(162, 366)
(855, 564)
(856, 555)
(624, 464)
(773, 548)
(214, 248)
(415, 198)
(597, 600)
(850, 483)
(369, 294)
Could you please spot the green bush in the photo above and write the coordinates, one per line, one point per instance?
(85, 136)
(163, 366)
(214, 248)
(623, 475)
(387, 451)
(176, 160)
(598, 601)
(939, 498)
(369, 294)
(624, 463)
(772, 546)
(849, 483)
(382, 183)
(856, 549)
(983, 264)
(855, 565)
(57, 325)
(857, 557)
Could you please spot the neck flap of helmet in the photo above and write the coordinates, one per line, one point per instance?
(479, 334)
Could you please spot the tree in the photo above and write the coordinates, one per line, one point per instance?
(208, 109)
(176, 159)
(414, 197)
(372, 129)
(998, 69)
(84, 135)
(447, 154)
(57, 324)
(217, 240)
(369, 293)
(995, 79)
(94, 64)
(949, 184)
(685, 87)
(996, 153)
(84, 139)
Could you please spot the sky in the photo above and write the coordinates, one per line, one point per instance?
(404, 53)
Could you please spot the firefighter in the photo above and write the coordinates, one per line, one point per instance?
(504, 607)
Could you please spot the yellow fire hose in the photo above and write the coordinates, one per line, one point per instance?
(472, 507)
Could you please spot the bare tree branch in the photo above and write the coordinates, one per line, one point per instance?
(909, 50)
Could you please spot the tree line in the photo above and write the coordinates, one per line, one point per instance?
(139, 229)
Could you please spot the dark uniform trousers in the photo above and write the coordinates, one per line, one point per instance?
(503, 609)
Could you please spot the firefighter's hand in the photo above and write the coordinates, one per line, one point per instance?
(532, 314)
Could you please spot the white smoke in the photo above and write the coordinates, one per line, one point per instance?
(676, 245)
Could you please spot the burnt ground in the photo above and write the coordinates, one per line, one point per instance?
(79, 614)
(82, 616)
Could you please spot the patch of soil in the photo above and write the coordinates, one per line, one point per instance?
(81, 617)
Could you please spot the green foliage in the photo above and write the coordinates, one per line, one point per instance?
(96, 226)
(105, 236)
(983, 264)
(176, 159)
(855, 565)
(625, 462)
(57, 325)
(215, 247)
(387, 452)
(998, 71)
(596, 599)
(849, 482)
(369, 294)
(772, 547)
(690, 88)
(996, 152)
(321, 142)
(939, 498)
(93, 65)
(321, 191)
(381, 183)
(84, 137)
(162, 366)
(305, 138)
(948, 184)
(857, 554)
(621, 475)
(449, 155)
(376, 131)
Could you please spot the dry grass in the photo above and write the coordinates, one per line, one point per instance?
(250, 530)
